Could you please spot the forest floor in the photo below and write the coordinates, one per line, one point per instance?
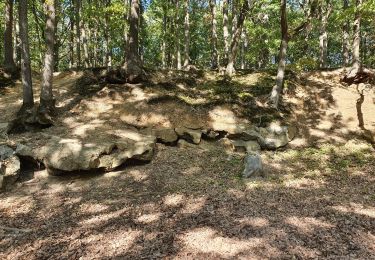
(315, 200)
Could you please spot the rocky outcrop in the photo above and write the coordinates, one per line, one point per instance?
(104, 152)
(4, 129)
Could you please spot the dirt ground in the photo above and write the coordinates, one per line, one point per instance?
(315, 200)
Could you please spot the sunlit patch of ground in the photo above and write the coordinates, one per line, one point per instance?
(189, 203)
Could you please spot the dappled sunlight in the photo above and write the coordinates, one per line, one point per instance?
(357, 209)
(102, 217)
(207, 240)
(307, 225)
(173, 200)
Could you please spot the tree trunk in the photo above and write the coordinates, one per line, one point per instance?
(133, 66)
(177, 37)
(8, 37)
(235, 39)
(108, 49)
(345, 38)
(225, 31)
(163, 44)
(78, 31)
(357, 38)
(276, 90)
(28, 98)
(323, 37)
(71, 42)
(187, 35)
(47, 104)
(214, 54)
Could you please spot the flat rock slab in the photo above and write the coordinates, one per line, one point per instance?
(103, 151)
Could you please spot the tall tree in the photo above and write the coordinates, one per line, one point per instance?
(77, 11)
(28, 98)
(235, 38)
(187, 34)
(277, 88)
(225, 31)
(325, 12)
(345, 38)
(47, 104)
(357, 39)
(8, 37)
(214, 55)
(133, 66)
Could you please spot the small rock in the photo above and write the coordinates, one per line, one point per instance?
(9, 172)
(184, 144)
(165, 135)
(246, 146)
(192, 135)
(253, 165)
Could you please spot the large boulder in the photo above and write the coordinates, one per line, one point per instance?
(253, 165)
(191, 135)
(9, 171)
(276, 136)
(105, 151)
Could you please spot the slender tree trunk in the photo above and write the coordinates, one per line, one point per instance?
(47, 104)
(235, 39)
(82, 26)
(8, 37)
(177, 37)
(225, 31)
(323, 38)
(133, 65)
(163, 44)
(71, 43)
(39, 33)
(28, 98)
(108, 48)
(187, 35)
(276, 90)
(357, 39)
(214, 54)
(78, 31)
(243, 50)
(345, 38)
(17, 49)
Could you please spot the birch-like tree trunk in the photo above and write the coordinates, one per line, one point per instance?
(78, 31)
(214, 52)
(357, 38)
(323, 37)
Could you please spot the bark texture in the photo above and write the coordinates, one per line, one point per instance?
(133, 66)
(187, 35)
(8, 37)
(214, 54)
(28, 98)
(277, 88)
(47, 104)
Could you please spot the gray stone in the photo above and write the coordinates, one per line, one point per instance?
(9, 172)
(192, 135)
(165, 135)
(5, 152)
(253, 165)
(276, 136)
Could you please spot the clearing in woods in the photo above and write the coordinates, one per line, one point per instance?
(316, 198)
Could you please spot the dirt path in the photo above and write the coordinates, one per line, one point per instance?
(192, 203)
